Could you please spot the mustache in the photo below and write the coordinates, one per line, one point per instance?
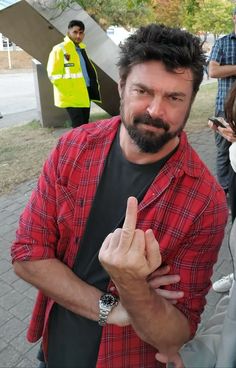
(147, 120)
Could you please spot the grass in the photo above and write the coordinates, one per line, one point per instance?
(203, 107)
(23, 149)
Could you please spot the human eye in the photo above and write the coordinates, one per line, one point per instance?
(176, 98)
(139, 91)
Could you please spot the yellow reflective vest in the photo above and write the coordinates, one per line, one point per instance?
(65, 73)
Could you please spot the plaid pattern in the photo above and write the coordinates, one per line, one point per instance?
(224, 53)
(184, 206)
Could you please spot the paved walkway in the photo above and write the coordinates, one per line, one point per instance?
(18, 100)
(17, 297)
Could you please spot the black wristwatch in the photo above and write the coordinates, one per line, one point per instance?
(106, 303)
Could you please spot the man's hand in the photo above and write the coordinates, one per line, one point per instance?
(156, 280)
(161, 278)
(175, 359)
(130, 253)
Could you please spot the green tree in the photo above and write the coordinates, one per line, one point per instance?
(189, 8)
(126, 13)
(197, 16)
(209, 16)
(168, 12)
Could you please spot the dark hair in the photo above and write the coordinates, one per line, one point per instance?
(76, 23)
(174, 47)
(230, 107)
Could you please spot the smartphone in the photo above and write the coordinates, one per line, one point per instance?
(217, 122)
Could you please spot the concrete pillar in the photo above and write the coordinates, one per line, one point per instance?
(49, 115)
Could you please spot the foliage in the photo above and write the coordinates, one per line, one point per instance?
(126, 13)
(189, 9)
(197, 16)
(210, 16)
(168, 12)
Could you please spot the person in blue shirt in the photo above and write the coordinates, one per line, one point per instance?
(222, 65)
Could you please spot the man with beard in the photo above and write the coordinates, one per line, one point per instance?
(112, 313)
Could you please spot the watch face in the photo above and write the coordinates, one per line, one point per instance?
(108, 299)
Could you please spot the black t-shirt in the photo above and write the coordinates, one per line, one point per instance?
(74, 340)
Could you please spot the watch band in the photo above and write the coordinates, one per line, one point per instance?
(106, 303)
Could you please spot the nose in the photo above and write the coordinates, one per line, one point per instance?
(156, 107)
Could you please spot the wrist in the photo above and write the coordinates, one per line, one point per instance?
(118, 316)
(136, 290)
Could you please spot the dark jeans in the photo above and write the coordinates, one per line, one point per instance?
(42, 365)
(78, 115)
(40, 358)
(223, 166)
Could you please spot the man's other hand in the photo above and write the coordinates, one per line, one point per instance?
(161, 277)
(175, 359)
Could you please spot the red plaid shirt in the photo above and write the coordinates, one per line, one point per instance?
(184, 206)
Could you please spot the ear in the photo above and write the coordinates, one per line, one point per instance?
(121, 85)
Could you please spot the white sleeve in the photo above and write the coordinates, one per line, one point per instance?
(202, 350)
(226, 356)
(232, 155)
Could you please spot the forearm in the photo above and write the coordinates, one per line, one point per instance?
(154, 319)
(58, 282)
(221, 71)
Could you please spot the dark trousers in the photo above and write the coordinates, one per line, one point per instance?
(40, 358)
(42, 365)
(78, 115)
(223, 166)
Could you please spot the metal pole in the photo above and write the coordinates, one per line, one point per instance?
(8, 54)
(1, 42)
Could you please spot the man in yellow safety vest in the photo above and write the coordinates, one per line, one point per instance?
(73, 75)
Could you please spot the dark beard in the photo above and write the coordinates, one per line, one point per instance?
(149, 142)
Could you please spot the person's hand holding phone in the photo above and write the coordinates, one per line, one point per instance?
(217, 122)
(219, 125)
